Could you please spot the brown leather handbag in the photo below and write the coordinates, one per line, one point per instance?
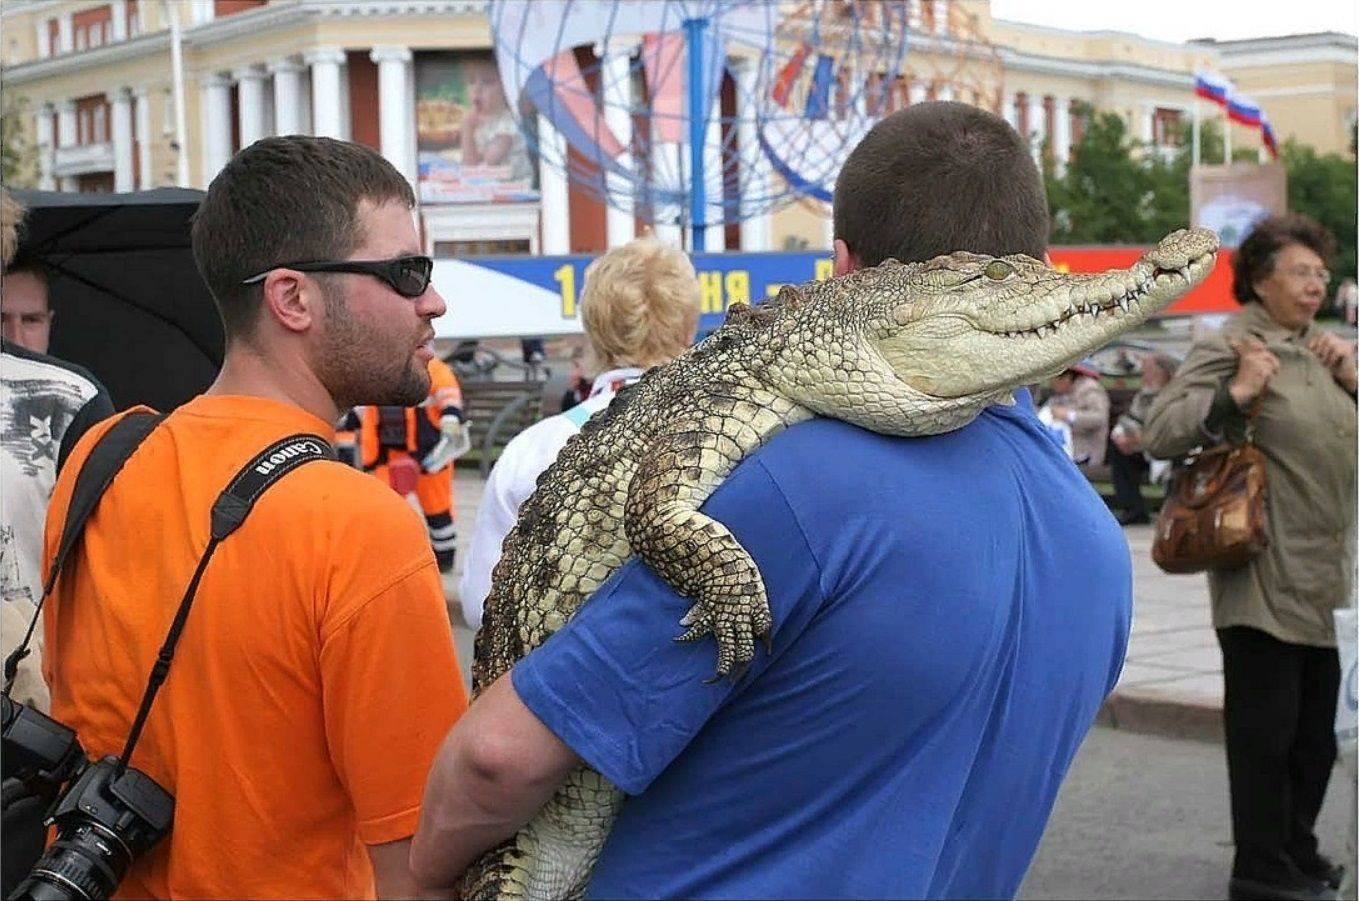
(1214, 513)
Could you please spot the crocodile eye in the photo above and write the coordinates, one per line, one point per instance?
(998, 269)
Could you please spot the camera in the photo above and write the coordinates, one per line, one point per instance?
(110, 815)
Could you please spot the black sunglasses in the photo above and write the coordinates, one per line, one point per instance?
(408, 276)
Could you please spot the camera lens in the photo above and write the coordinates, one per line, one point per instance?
(85, 864)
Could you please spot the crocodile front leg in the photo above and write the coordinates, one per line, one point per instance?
(693, 552)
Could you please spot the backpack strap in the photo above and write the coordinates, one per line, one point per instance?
(228, 513)
(105, 461)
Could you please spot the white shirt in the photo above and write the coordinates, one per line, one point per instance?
(40, 398)
(513, 479)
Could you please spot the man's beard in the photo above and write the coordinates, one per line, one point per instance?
(356, 373)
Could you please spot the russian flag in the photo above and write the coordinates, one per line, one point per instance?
(1243, 110)
(1267, 135)
(1213, 88)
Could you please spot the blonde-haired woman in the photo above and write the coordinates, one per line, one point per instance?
(640, 307)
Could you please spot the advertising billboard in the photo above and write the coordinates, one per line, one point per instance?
(468, 146)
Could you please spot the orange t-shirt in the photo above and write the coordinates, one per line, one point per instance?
(315, 677)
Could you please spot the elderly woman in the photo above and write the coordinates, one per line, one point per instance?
(1273, 615)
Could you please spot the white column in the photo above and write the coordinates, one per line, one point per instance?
(65, 33)
(250, 98)
(555, 208)
(47, 143)
(326, 106)
(615, 70)
(202, 11)
(215, 106)
(1007, 110)
(945, 91)
(40, 32)
(141, 115)
(118, 19)
(1147, 132)
(395, 115)
(66, 124)
(940, 17)
(66, 137)
(715, 238)
(666, 214)
(755, 231)
(915, 93)
(1061, 133)
(1037, 124)
(287, 96)
(120, 108)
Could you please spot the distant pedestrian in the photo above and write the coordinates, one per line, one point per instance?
(1129, 466)
(1274, 615)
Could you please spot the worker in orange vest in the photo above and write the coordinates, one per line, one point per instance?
(413, 449)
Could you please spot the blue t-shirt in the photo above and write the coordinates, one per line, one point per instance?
(949, 614)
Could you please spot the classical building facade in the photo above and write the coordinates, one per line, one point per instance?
(96, 82)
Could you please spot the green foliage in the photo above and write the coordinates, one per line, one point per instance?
(18, 156)
(1112, 193)
(1117, 191)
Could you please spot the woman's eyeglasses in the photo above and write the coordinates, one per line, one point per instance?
(408, 276)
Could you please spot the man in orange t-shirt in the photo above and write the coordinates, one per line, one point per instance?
(316, 675)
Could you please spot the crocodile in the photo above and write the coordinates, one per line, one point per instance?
(902, 349)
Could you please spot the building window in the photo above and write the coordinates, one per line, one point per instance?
(101, 131)
(1165, 131)
(53, 37)
(1022, 113)
(1076, 110)
(1050, 122)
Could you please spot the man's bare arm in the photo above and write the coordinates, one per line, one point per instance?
(497, 767)
(392, 871)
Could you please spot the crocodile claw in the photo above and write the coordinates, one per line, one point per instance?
(736, 630)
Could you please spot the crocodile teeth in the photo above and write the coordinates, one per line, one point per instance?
(1123, 304)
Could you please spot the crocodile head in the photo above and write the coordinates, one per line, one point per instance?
(965, 329)
(973, 324)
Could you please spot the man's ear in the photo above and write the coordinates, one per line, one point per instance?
(290, 300)
(846, 260)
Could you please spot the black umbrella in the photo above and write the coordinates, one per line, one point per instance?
(130, 305)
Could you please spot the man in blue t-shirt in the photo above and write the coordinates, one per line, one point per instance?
(950, 612)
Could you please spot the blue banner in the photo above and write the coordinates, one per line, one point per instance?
(723, 278)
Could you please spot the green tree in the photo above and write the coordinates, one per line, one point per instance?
(18, 156)
(1323, 186)
(1101, 196)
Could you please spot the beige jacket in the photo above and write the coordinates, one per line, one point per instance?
(1089, 404)
(1306, 429)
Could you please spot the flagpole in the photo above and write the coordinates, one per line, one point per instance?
(1196, 133)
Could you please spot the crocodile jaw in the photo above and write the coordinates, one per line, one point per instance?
(950, 354)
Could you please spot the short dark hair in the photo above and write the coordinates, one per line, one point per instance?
(35, 267)
(1255, 257)
(281, 200)
(939, 177)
